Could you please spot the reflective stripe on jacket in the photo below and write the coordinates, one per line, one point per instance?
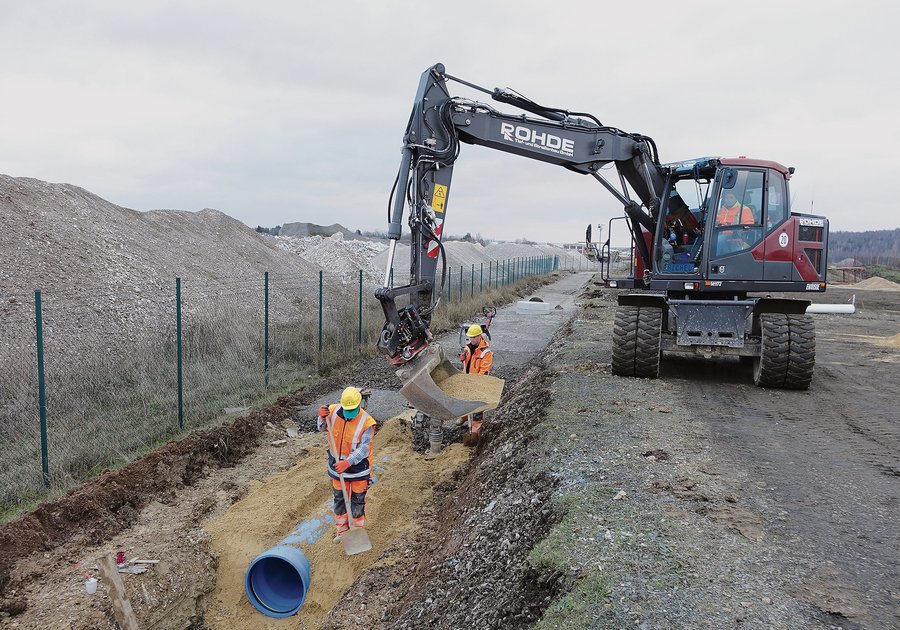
(348, 436)
(478, 362)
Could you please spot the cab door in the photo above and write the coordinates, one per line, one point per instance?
(736, 225)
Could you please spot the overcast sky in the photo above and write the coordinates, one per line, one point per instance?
(275, 112)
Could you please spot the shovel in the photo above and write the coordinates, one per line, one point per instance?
(355, 539)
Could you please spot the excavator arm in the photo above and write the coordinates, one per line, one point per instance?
(438, 124)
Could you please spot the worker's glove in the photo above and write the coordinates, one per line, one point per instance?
(323, 412)
(341, 466)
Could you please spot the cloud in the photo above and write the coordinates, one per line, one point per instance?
(281, 111)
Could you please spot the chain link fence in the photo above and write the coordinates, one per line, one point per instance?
(91, 378)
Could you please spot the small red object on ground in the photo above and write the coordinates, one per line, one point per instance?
(120, 559)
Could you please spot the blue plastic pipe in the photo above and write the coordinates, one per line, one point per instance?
(277, 581)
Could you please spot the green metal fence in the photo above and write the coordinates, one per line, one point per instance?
(90, 379)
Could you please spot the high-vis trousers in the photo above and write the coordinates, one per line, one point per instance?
(357, 491)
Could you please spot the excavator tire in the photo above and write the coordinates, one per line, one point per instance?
(788, 352)
(637, 333)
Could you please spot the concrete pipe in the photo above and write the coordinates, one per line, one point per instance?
(277, 581)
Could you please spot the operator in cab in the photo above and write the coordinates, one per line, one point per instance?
(732, 212)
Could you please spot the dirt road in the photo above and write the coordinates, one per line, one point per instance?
(822, 467)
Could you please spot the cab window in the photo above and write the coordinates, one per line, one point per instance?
(776, 202)
(738, 224)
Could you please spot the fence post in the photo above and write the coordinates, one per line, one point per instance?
(42, 391)
(449, 285)
(359, 332)
(321, 279)
(472, 282)
(481, 281)
(178, 352)
(461, 283)
(266, 327)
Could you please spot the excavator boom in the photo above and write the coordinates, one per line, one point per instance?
(700, 268)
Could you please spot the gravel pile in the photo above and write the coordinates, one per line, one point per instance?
(109, 272)
(334, 254)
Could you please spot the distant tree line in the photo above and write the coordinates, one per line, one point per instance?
(874, 247)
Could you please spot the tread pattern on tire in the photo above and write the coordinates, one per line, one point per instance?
(788, 352)
(803, 352)
(637, 334)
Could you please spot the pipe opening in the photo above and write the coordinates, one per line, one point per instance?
(277, 581)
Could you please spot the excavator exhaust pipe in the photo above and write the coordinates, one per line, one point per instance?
(428, 377)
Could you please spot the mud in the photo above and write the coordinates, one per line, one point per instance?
(109, 503)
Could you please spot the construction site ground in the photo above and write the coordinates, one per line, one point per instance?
(592, 501)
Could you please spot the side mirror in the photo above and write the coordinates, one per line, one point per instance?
(729, 178)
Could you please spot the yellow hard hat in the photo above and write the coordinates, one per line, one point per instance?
(474, 331)
(350, 399)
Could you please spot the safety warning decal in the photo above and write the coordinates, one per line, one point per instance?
(783, 239)
(432, 248)
(439, 198)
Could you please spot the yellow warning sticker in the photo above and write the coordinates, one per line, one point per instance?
(439, 199)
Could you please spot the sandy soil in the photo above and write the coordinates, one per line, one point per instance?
(693, 500)
(298, 501)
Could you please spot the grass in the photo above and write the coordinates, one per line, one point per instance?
(111, 401)
(889, 273)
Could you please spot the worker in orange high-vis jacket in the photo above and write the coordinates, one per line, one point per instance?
(351, 432)
(732, 212)
(476, 358)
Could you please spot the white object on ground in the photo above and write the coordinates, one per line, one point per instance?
(90, 586)
(533, 308)
(834, 308)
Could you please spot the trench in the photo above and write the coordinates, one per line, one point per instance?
(295, 506)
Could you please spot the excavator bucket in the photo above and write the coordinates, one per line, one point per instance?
(433, 386)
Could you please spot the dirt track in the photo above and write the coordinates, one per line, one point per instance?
(694, 500)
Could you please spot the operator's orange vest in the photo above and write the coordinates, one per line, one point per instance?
(478, 362)
(729, 216)
(346, 435)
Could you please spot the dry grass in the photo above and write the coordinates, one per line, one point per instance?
(111, 399)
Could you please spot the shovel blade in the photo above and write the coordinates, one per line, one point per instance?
(356, 540)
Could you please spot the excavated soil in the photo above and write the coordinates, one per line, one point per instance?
(592, 501)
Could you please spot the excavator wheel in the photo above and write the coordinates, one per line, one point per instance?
(788, 351)
(637, 333)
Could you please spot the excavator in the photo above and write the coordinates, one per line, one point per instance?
(705, 233)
